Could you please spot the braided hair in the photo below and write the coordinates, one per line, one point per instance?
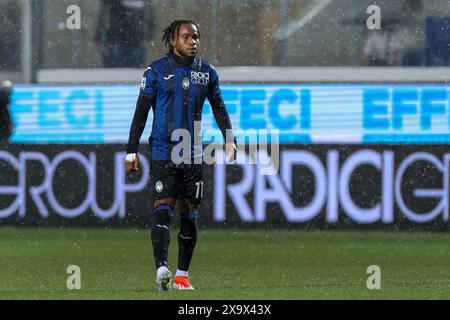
(172, 32)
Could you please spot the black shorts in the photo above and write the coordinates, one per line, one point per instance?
(168, 180)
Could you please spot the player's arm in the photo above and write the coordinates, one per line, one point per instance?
(143, 105)
(221, 115)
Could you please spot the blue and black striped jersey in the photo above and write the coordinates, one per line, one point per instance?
(177, 94)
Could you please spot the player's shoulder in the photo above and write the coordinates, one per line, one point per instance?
(205, 63)
(158, 63)
(206, 66)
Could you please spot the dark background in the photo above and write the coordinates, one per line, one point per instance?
(70, 179)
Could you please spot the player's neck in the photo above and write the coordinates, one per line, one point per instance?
(180, 61)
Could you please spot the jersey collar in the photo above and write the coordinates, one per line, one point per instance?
(180, 62)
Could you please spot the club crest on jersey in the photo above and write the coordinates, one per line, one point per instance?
(186, 83)
(201, 78)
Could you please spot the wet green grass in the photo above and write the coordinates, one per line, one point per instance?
(228, 264)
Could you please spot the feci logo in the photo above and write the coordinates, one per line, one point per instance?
(47, 190)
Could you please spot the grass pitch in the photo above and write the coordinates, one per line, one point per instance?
(228, 264)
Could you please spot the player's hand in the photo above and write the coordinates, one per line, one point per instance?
(230, 150)
(132, 162)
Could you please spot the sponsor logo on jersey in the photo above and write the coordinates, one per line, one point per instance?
(143, 82)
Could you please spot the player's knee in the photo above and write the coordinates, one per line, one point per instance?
(193, 206)
(162, 214)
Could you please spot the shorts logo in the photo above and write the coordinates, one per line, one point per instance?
(186, 83)
(201, 78)
(159, 186)
(143, 82)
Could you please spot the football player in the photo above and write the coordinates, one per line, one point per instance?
(175, 87)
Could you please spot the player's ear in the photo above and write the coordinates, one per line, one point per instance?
(173, 41)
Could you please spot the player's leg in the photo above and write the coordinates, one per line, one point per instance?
(162, 215)
(187, 237)
(164, 193)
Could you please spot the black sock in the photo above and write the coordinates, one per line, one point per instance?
(187, 238)
(161, 234)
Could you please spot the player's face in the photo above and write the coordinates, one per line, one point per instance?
(186, 45)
